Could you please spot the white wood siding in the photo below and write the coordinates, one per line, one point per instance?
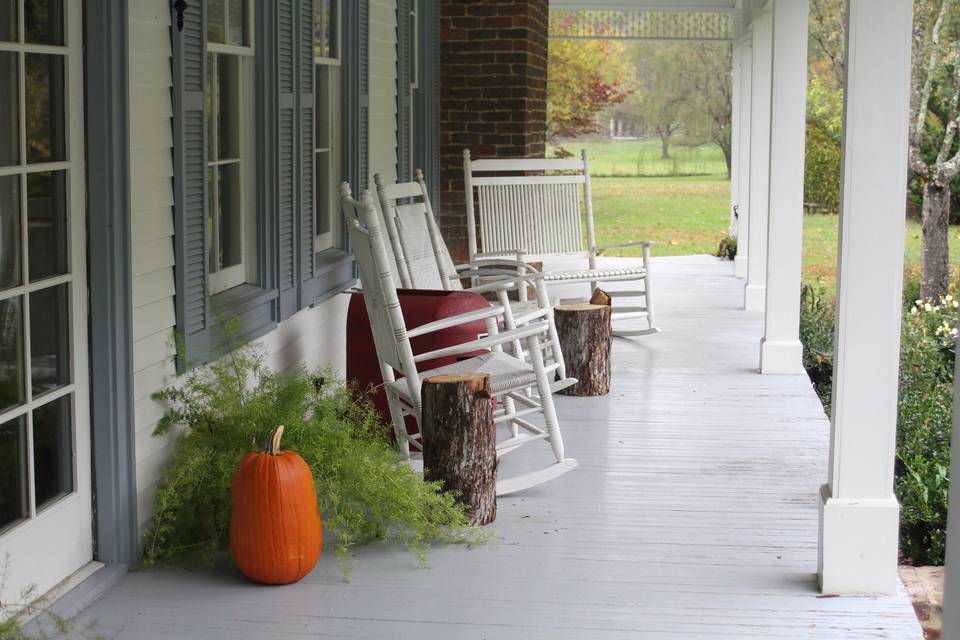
(313, 337)
(383, 89)
(151, 178)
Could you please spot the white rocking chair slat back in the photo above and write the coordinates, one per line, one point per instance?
(536, 218)
(383, 305)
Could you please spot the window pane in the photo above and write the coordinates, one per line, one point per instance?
(46, 123)
(11, 354)
(231, 220)
(323, 192)
(216, 27)
(212, 216)
(13, 471)
(9, 109)
(237, 22)
(321, 84)
(228, 107)
(331, 28)
(8, 31)
(9, 231)
(49, 338)
(43, 21)
(211, 104)
(52, 450)
(47, 224)
(325, 28)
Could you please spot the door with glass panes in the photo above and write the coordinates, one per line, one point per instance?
(45, 461)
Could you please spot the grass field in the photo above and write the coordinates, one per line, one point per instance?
(688, 215)
(631, 158)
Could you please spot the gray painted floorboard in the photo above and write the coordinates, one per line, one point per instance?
(693, 514)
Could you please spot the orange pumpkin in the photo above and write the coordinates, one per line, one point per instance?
(275, 532)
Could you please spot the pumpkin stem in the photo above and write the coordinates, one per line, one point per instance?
(273, 441)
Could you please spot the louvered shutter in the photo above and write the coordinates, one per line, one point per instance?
(306, 146)
(426, 142)
(363, 143)
(287, 236)
(190, 171)
(404, 60)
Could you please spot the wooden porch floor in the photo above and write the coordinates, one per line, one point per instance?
(693, 514)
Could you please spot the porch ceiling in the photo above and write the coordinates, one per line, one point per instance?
(693, 514)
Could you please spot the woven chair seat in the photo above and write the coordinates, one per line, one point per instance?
(505, 371)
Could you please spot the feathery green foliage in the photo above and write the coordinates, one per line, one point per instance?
(365, 490)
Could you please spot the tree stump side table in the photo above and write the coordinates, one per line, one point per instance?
(460, 440)
(585, 334)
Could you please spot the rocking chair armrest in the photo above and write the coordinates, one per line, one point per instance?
(493, 340)
(454, 321)
(517, 265)
(623, 245)
(507, 281)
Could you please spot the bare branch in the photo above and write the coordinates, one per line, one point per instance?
(947, 144)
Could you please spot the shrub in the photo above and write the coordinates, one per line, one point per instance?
(824, 135)
(365, 490)
(924, 406)
(727, 248)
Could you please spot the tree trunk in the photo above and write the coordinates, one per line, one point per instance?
(460, 441)
(664, 145)
(585, 333)
(934, 248)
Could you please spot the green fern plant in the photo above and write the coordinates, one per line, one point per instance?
(365, 490)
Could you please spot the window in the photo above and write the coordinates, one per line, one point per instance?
(230, 145)
(37, 377)
(327, 92)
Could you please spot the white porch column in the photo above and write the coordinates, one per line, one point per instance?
(735, 124)
(754, 295)
(859, 513)
(780, 350)
(951, 590)
(743, 154)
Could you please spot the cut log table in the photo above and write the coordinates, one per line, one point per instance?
(460, 441)
(585, 333)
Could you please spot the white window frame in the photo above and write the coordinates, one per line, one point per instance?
(328, 239)
(242, 272)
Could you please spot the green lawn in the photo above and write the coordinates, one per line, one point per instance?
(642, 158)
(689, 216)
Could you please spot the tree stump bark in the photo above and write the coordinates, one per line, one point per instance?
(585, 333)
(460, 441)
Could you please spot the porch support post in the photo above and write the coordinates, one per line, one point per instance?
(780, 349)
(859, 513)
(735, 124)
(743, 156)
(754, 294)
(951, 590)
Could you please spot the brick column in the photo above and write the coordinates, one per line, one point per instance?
(493, 70)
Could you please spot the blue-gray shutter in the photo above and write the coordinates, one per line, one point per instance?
(287, 236)
(190, 171)
(356, 94)
(306, 146)
(404, 60)
(426, 99)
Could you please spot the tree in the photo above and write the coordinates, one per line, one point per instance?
(934, 118)
(709, 106)
(661, 94)
(584, 79)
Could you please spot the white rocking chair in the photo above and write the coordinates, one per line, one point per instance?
(532, 206)
(424, 262)
(513, 382)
